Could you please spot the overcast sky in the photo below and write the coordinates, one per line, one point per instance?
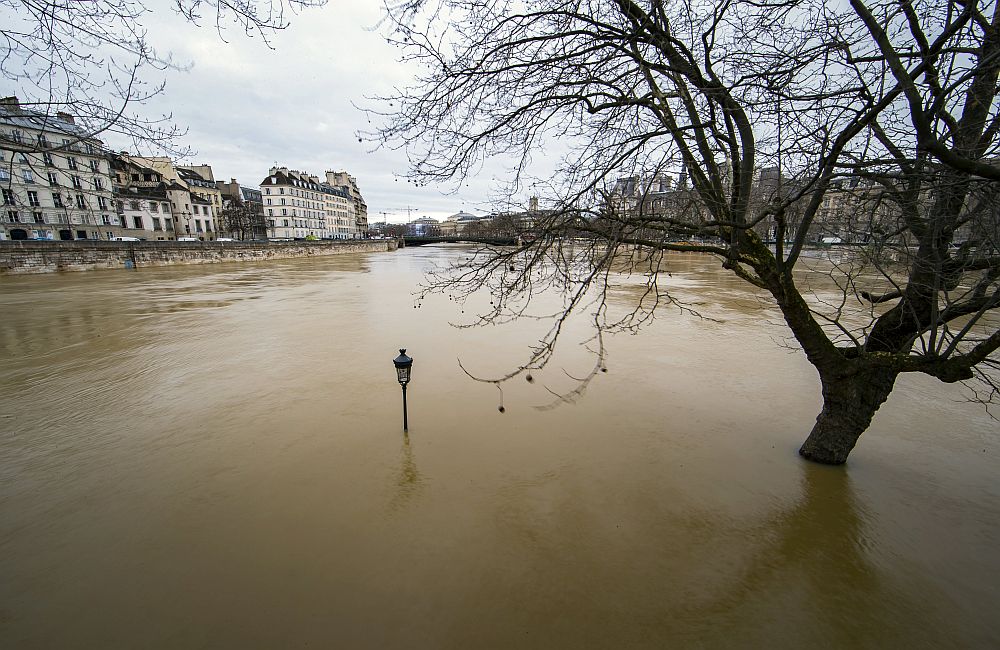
(249, 107)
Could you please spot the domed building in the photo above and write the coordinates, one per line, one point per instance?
(460, 222)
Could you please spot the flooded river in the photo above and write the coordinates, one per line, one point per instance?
(212, 457)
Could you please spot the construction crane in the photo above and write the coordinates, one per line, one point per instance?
(409, 212)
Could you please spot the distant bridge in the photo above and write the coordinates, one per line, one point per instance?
(460, 239)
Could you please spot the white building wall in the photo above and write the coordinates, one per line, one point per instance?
(54, 187)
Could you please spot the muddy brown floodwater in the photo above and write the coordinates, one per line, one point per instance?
(212, 457)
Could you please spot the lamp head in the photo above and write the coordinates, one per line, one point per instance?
(403, 364)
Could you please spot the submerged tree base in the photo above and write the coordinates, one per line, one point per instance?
(849, 404)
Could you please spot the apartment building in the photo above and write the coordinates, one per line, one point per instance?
(296, 205)
(54, 178)
(201, 183)
(340, 212)
(141, 200)
(359, 229)
(190, 196)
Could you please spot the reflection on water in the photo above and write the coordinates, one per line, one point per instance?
(409, 482)
(212, 457)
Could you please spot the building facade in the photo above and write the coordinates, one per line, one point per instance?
(201, 182)
(141, 200)
(359, 227)
(299, 205)
(55, 180)
(294, 205)
(190, 197)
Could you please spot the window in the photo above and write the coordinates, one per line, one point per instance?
(38, 217)
(284, 213)
(208, 225)
(72, 163)
(12, 216)
(95, 165)
(197, 225)
(148, 178)
(166, 208)
(4, 175)
(76, 183)
(270, 212)
(16, 135)
(286, 222)
(53, 179)
(135, 177)
(102, 203)
(281, 190)
(81, 201)
(156, 223)
(269, 201)
(133, 205)
(47, 157)
(21, 158)
(57, 200)
(33, 199)
(27, 176)
(138, 222)
(154, 206)
(8, 197)
(106, 219)
(42, 140)
(282, 201)
(98, 184)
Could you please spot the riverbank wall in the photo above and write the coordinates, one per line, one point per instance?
(24, 257)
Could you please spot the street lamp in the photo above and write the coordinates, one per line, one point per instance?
(403, 364)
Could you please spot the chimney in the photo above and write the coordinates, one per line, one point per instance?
(65, 117)
(10, 102)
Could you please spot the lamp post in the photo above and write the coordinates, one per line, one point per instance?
(403, 364)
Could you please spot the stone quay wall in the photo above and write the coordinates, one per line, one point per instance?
(18, 257)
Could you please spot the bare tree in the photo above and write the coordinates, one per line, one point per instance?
(889, 106)
(94, 59)
(242, 220)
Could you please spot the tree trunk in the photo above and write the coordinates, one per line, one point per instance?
(849, 403)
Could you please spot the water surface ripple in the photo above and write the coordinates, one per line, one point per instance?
(211, 457)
